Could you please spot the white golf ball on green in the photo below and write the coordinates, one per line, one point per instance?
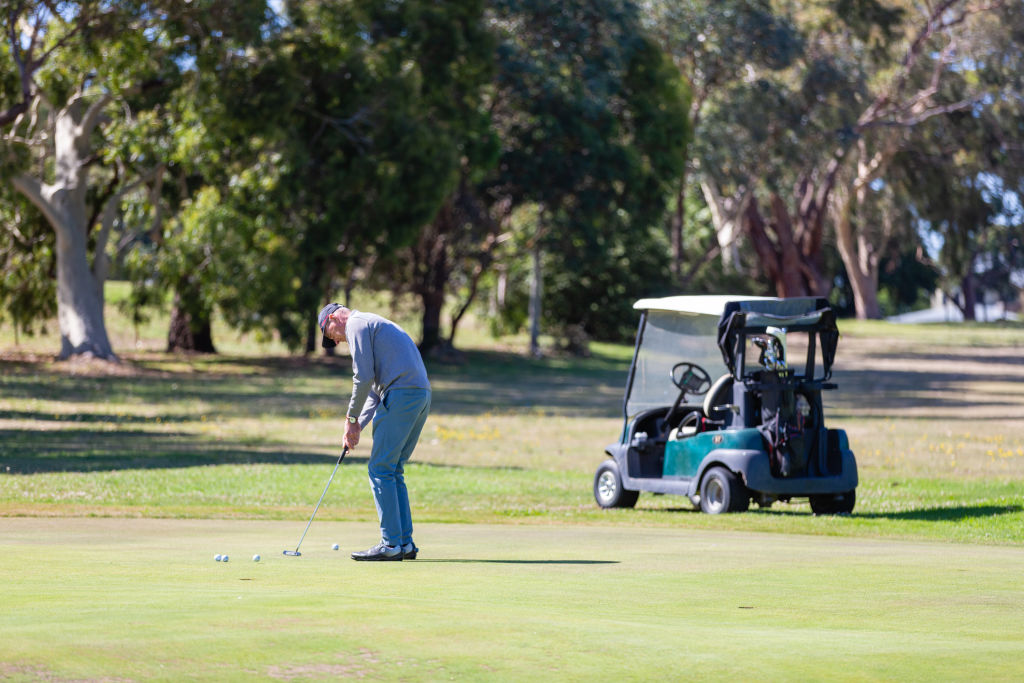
(218, 557)
(224, 558)
(255, 558)
(334, 547)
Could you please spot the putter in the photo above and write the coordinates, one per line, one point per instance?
(296, 553)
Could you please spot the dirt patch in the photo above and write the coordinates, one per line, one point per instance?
(30, 672)
(360, 666)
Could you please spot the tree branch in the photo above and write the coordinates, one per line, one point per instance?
(33, 190)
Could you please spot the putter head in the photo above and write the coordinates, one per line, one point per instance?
(292, 553)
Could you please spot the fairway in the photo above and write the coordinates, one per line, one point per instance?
(102, 599)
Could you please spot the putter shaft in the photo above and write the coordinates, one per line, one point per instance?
(296, 552)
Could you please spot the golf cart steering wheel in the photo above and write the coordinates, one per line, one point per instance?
(691, 378)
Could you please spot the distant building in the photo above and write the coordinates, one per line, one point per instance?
(943, 310)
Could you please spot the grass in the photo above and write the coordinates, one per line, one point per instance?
(939, 435)
(118, 484)
(499, 602)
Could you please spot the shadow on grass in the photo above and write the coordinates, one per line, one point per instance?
(932, 514)
(487, 382)
(583, 562)
(946, 514)
(108, 418)
(86, 450)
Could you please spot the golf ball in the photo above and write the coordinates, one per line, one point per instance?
(334, 547)
(255, 558)
(224, 559)
(218, 558)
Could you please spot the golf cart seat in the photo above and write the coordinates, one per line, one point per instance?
(718, 396)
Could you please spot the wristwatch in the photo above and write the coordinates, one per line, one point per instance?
(351, 419)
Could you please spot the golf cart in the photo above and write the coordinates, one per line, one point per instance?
(723, 405)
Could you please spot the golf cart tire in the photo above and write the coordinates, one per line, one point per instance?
(834, 504)
(722, 491)
(608, 490)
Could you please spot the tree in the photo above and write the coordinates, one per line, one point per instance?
(592, 119)
(75, 76)
(870, 74)
(714, 44)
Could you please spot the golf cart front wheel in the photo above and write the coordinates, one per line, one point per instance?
(608, 491)
(722, 491)
(834, 504)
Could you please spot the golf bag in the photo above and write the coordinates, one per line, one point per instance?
(781, 425)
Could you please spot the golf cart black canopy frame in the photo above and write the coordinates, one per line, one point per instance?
(810, 314)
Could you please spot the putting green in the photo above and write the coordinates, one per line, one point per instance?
(144, 599)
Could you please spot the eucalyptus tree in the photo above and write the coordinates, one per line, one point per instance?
(964, 179)
(716, 44)
(816, 138)
(77, 78)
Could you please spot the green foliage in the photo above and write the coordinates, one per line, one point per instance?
(905, 281)
(347, 129)
(27, 264)
(594, 129)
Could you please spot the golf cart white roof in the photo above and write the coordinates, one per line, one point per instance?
(706, 304)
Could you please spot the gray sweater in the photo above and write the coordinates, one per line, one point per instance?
(384, 357)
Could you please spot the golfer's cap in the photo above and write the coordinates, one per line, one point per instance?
(322, 321)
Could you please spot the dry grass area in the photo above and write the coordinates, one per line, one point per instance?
(935, 411)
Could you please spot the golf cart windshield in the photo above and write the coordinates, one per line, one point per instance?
(714, 331)
(665, 339)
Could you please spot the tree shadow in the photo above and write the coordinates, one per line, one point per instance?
(957, 513)
(35, 451)
(487, 382)
(92, 450)
(931, 514)
(564, 562)
(940, 393)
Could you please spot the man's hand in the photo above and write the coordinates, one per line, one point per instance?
(352, 430)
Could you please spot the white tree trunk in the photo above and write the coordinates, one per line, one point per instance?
(536, 290)
(858, 252)
(726, 213)
(79, 292)
(79, 300)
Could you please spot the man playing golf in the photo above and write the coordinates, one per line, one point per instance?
(390, 387)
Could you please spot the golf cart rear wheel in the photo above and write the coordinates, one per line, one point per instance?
(608, 491)
(834, 504)
(722, 491)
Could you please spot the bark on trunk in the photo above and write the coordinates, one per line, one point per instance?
(726, 216)
(969, 290)
(79, 300)
(433, 270)
(859, 256)
(79, 289)
(779, 257)
(860, 269)
(189, 330)
(676, 225)
(536, 293)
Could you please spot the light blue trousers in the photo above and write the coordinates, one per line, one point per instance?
(397, 424)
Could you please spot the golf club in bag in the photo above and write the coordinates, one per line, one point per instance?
(296, 553)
